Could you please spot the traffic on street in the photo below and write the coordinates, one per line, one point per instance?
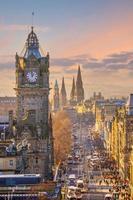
(88, 173)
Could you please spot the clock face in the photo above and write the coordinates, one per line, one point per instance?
(32, 77)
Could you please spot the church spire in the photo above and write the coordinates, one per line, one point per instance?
(72, 94)
(79, 87)
(63, 94)
(56, 85)
(56, 96)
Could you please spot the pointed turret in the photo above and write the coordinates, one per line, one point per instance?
(56, 97)
(73, 93)
(56, 85)
(79, 87)
(63, 94)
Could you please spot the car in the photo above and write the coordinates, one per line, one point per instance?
(81, 185)
(69, 162)
(71, 183)
(95, 153)
(75, 162)
(72, 176)
(89, 157)
(77, 157)
(70, 159)
(108, 197)
(73, 193)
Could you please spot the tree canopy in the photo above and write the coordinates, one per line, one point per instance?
(62, 135)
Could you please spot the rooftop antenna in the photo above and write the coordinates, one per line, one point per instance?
(33, 18)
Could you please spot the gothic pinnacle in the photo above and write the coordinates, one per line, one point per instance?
(79, 87)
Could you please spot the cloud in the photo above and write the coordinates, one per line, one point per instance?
(113, 74)
(7, 66)
(75, 60)
(113, 62)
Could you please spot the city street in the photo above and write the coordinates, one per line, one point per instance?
(89, 163)
(84, 147)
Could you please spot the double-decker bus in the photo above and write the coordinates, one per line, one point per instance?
(19, 179)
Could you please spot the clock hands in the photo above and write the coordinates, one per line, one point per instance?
(32, 76)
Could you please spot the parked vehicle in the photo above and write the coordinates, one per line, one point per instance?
(72, 176)
(108, 197)
(72, 180)
(69, 160)
(81, 185)
(74, 193)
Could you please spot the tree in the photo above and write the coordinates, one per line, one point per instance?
(62, 135)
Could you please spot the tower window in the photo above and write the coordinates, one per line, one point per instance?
(36, 160)
(11, 163)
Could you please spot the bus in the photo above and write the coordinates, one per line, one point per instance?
(19, 179)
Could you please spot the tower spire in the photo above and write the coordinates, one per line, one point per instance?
(63, 94)
(72, 94)
(56, 97)
(79, 87)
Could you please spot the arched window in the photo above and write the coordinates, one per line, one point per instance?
(36, 160)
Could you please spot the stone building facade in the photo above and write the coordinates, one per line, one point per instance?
(7, 104)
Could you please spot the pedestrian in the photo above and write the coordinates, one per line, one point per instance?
(107, 182)
(100, 182)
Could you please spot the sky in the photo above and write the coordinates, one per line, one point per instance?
(96, 34)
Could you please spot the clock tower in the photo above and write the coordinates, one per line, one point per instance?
(32, 90)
